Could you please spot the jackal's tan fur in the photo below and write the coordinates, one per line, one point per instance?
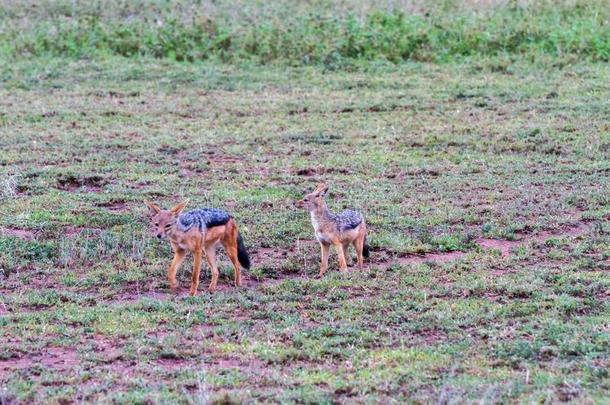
(196, 241)
(339, 230)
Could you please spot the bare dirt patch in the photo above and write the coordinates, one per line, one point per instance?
(220, 158)
(226, 284)
(506, 246)
(573, 231)
(431, 337)
(173, 363)
(262, 254)
(114, 206)
(501, 245)
(25, 234)
(441, 257)
(13, 364)
(109, 352)
(57, 358)
(37, 280)
(409, 259)
(72, 183)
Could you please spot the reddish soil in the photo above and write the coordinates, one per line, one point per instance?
(72, 183)
(430, 337)
(173, 364)
(58, 358)
(226, 284)
(216, 158)
(269, 253)
(24, 234)
(572, 231)
(442, 257)
(114, 206)
(9, 365)
(503, 246)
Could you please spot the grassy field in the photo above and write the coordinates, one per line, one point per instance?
(484, 181)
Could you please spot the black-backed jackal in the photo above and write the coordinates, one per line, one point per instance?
(339, 230)
(197, 231)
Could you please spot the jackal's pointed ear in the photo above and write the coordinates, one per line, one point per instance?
(321, 189)
(178, 208)
(154, 209)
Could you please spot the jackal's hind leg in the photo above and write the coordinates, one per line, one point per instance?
(232, 253)
(196, 270)
(346, 253)
(210, 257)
(341, 254)
(359, 246)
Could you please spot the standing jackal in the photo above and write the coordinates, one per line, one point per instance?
(199, 230)
(340, 230)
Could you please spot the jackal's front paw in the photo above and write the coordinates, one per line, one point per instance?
(193, 292)
(212, 288)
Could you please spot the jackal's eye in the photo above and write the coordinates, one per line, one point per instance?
(167, 226)
(156, 224)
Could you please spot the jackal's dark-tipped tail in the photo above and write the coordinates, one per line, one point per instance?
(365, 249)
(242, 253)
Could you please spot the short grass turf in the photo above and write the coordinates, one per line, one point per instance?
(434, 155)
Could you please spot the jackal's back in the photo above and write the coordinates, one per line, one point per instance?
(203, 218)
(348, 219)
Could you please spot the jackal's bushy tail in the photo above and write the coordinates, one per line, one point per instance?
(365, 249)
(242, 253)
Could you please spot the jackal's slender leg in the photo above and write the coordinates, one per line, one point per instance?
(179, 256)
(324, 259)
(359, 246)
(196, 270)
(210, 257)
(346, 253)
(341, 254)
(232, 253)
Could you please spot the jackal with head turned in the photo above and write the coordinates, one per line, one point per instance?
(339, 230)
(197, 231)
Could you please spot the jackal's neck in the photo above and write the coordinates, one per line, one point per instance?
(321, 213)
